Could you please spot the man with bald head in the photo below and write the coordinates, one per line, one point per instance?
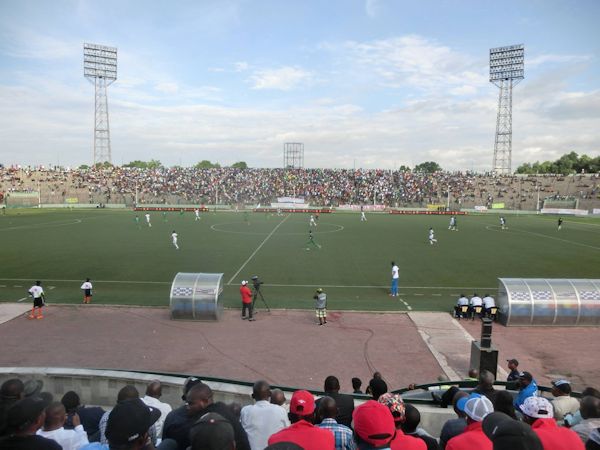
(153, 394)
(56, 416)
(326, 414)
(262, 419)
(590, 412)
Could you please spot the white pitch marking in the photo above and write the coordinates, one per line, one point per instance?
(418, 294)
(405, 304)
(49, 224)
(21, 299)
(51, 287)
(437, 295)
(17, 285)
(544, 235)
(258, 248)
(2, 285)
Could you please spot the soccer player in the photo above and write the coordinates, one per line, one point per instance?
(560, 221)
(37, 293)
(164, 214)
(320, 298)
(363, 218)
(147, 216)
(86, 287)
(137, 221)
(395, 278)
(476, 303)
(452, 225)
(312, 222)
(311, 240)
(181, 211)
(247, 218)
(197, 213)
(432, 238)
(503, 222)
(174, 237)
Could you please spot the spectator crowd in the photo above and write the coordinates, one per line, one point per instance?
(486, 418)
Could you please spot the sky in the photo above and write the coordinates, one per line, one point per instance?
(361, 83)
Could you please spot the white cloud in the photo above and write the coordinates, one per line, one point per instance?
(557, 59)
(284, 78)
(372, 8)
(167, 87)
(240, 66)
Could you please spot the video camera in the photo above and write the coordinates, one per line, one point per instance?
(256, 282)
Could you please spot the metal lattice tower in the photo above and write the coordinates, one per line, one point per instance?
(506, 71)
(100, 68)
(293, 155)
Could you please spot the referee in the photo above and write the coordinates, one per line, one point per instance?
(37, 292)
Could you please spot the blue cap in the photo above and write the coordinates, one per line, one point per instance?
(460, 404)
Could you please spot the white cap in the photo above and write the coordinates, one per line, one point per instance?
(538, 408)
(479, 407)
(244, 282)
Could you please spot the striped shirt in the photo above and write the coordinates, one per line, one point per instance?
(342, 434)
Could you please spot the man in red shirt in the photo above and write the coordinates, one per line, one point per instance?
(539, 413)
(476, 408)
(246, 294)
(373, 426)
(395, 404)
(302, 431)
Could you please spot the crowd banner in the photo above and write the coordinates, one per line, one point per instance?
(497, 205)
(565, 211)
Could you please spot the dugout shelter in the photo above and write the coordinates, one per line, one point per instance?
(548, 302)
(195, 296)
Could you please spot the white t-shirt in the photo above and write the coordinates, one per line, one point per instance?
(174, 235)
(86, 285)
(147, 217)
(476, 301)
(36, 291)
(395, 272)
(463, 301)
(489, 302)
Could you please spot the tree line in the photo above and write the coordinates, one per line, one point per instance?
(568, 163)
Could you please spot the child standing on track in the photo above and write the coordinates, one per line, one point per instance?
(87, 291)
(37, 293)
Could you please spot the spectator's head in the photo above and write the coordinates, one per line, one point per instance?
(356, 384)
(373, 424)
(412, 419)
(534, 408)
(476, 407)
(377, 376)
(277, 397)
(591, 392)
(236, 409)
(128, 424)
(154, 389)
(561, 388)
(590, 407)
(394, 403)
(512, 363)
(525, 379)
(261, 391)
(189, 384)
(455, 403)
(26, 416)
(332, 384)
(503, 402)
(377, 387)
(32, 388)
(11, 391)
(284, 446)
(327, 409)
(56, 414)
(507, 433)
(302, 406)
(71, 401)
(128, 392)
(486, 379)
(198, 398)
(212, 432)
(473, 373)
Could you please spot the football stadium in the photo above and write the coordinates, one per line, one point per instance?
(373, 261)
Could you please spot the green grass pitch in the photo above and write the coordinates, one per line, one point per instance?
(136, 265)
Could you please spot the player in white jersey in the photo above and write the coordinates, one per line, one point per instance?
(476, 305)
(432, 239)
(312, 221)
(363, 218)
(37, 293)
(174, 237)
(503, 222)
(452, 225)
(86, 287)
(197, 213)
(147, 216)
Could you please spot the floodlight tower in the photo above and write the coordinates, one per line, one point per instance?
(293, 155)
(507, 69)
(100, 68)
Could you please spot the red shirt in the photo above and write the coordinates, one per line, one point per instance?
(554, 437)
(246, 294)
(470, 439)
(306, 435)
(403, 441)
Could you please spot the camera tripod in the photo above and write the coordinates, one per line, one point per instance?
(256, 294)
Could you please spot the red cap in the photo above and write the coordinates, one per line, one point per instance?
(374, 423)
(302, 403)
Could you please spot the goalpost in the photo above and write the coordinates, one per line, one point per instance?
(22, 199)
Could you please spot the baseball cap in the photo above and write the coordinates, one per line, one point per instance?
(513, 361)
(477, 407)
(255, 277)
(538, 408)
(461, 402)
(244, 282)
(24, 413)
(374, 423)
(394, 403)
(129, 420)
(560, 382)
(32, 388)
(319, 290)
(562, 385)
(302, 403)
(526, 375)
(188, 384)
(212, 432)
(509, 434)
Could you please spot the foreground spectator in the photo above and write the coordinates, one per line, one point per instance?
(574, 419)
(486, 385)
(262, 419)
(454, 427)
(593, 442)
(394, 403)
(89, 416)
(410, 427)
(374, 426)
(278, 397)
(11, 392)
(377, 387)
(563, 403)
(302, 431)
(153, 394)
(23, 419)
(326, 413)
(538, 412)
(344, 402)
(527, 388)
(56, 416)
(356, 384)
(503, 402)
(476, 408)
(507, 433)
(212, 432)
(590, 414)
